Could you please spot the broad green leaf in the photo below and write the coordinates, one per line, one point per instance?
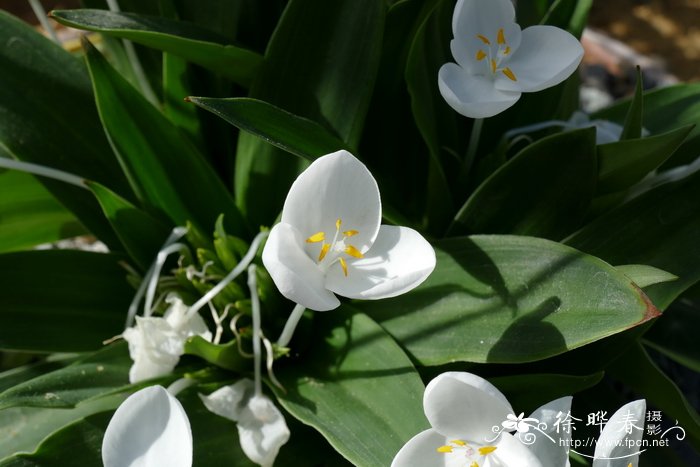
(659, 228)
(324, 74)
(644, 275)
(632, 128)
(30, 215)
(48, 117)
(545, 190)
(102, 373)
(355, 386)
(567, 14)
(225, 355)
(296, 135)
(140, 233)
(185, 40)
(674, 335)
(636, 369)
(164, 168)
(624, 163)
(23, 373)
(176, 87)
(510, 299)
(61, 300)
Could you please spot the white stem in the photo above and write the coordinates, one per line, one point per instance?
(180, 385)
(157, 267)
(43, 171)
(44, 20)
(290, 326)
(176, 234)
(235, 272)
(270, 360)
(255, 305)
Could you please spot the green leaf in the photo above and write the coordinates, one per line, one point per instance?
(637, 370)
(644, 275)
(545, 190)
(325, 74)
(30, 215)
(659, 228)
(141, 234)
(356, 387)
(510, 299)
(61, 300)
(296, 135)
(23, 373)
(568, 15)
(49, 118)
(165, 169)
(635, 114)
(624, 163)
(674, 335)
(185, 40)
(225, 355)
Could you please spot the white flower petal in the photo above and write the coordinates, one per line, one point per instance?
(296, 275)
(512, 453)
(552, 453)
(472, 17)
(421, 450)
(466, 45)
(149, 429)
(464, 406)
(547, 56)
(335, 186)
(262, 430)
(473, 96)
(229, 401)
(616, 442)
(399, 260)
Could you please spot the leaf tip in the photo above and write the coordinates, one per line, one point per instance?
(651, 311)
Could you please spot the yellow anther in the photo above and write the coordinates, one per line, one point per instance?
(317, 237)
(350, 233)
(354, 252)
(458, 442)
(444, 449)
(493, 66)
(480, 55)
(506, 51)
(501, 37)
(474, 464)
(344, 265)
(486, 450)
(484, 39)
(324, 251)
(338, 223)
(509, 73)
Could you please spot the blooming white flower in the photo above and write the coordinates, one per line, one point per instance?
(496, 61)
(149, 429)
(330, 239)
(465, 411)
(156, 343)
(618, 444)
(261, 427)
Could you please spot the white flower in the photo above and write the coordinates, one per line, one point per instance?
(465, 412)
(519, 423)
(149, 429)
(618, 444)
(156, 343)
(330, 239)
(496, 61)
(261, 427)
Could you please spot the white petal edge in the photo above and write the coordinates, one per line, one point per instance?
(228, 401)
(149, 429)
(421, 450)
(335, 186)
(613, 439)
(512, 453)
(461, 405)
(552, 453)
(296, 275)
(473, 96)
(472, 17)
(400, 259)
(547, 56)
(262, 430)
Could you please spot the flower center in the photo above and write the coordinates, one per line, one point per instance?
(331, 252)
(495, 54)
(461, 453)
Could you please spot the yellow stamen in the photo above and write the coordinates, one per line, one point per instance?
(509, 73)
(458, 442)
(354, 252)
(493, 66)
(338, 224)
(486, 450)
(324, 251)
(484, 39)
(501, 37)
(317, 237)
(474, 464)
(480, 55)
(444, 449)
(350, 233)
(344, 265)
(507, 51)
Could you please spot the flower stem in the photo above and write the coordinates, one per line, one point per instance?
(40, 14)
(255, 306)
(290, 326)
(36, 169)
(180, 385)
(157, 267)
(472, 148)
